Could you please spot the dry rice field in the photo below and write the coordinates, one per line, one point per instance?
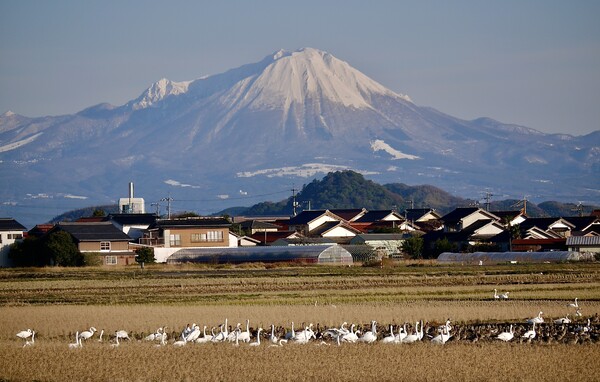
(57, 302)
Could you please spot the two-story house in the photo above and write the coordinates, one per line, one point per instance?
(10, 232)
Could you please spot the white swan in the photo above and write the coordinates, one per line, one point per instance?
(77, 343)
(180, 343)
(101, 334)
(304, 336)
(257, 343)
(205, 337)
(538, 320)
(116, 344)
(402, 333)
(351, 336)
(563, 320)
(221, 336)
(391, 338)
(409, 339)
(87, 334)
(231, 337)
(291, 334)
(530, 334)
(444, 336)
(504, 295)
(25, 334)
(496, 296)
(194, 334)
(506, 336)
(574, 304)
(32, 342)
(245, 336)
(273, 338)
(154, 336)
(122, 334)
(371, 336)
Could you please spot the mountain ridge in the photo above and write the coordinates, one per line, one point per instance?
(282, 120)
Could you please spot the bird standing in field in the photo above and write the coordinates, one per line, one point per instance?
(506, 336)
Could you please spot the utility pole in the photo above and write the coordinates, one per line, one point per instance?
(488, 198)
(294, 202)
(157, 205)
(168, 200)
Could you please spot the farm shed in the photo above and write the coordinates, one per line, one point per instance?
(316, 254)
(503, 257)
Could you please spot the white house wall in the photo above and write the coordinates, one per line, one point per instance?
(320, 221)
(5, 247)
(339, 232)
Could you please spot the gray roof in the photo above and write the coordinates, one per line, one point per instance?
(583, 240)
(191, 222)
(98, 231)
(10, 224)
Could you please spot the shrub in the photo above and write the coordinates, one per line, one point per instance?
(145, 255)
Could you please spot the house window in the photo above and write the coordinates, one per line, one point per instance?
(15, 236)
(175, 240)
(110, 260)
(105, 246)
(210, 236)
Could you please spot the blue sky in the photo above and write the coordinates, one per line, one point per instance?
(534, 63)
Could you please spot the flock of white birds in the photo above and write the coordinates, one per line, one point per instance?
(192, 334)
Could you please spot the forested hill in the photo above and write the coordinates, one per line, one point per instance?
(348, 189)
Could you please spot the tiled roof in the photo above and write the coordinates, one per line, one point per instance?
(257, 224)
(93, 231)
(374, 216)
(191, 222)
(458, 214)
(305, 217)
(414, 214)
(133, 219)
(348, 213)
(10, 224)
(583, 240)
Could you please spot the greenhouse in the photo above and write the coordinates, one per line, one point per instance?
(313, 254)
(505, 257)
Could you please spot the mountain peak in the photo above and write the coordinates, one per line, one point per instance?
(158, 91)
(292, 78)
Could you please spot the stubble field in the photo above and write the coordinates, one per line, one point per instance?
(57, 302)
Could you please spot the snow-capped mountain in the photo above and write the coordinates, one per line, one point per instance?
(270, 125)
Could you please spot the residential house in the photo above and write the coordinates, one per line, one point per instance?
(307, 221)
(462, 217)
(104, 238)
(268, 238)
(134, 225)
(251, 227)
(419, 215)
(11, 231)
(382, 220)
(192, 232)
(349, 214)
(589, 243)
(513, 218)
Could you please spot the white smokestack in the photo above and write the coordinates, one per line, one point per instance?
(130, 190)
